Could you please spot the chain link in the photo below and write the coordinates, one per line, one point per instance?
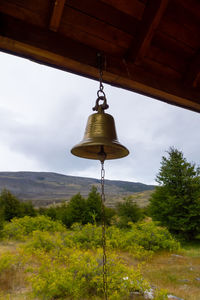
(101, 87)
(103, 232)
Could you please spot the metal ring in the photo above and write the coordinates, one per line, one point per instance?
(98, 94)
(101, 98)
(103, 106)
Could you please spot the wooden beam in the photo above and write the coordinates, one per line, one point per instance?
(52, 49)
(192, 74)
(56, 15)
(153, 13)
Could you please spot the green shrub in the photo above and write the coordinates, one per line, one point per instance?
(152, 237)
(88, 236)
(22, 227)
(6, 261)
(140, 239)
(78, 275)
(45, 240)
(128, 211)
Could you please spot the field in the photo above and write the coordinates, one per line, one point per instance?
(40, 259)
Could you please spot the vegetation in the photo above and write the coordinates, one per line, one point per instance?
(176, 202)
(80, 210)
(11, 207)
(128, 211)
(19, 229)
(67, 263)
(56, 252)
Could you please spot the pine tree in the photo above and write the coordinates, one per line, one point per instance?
(176, 201)
(9, 205)
(128, 211)
(93, 206)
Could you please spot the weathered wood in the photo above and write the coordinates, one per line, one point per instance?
(182, 34)
(106, 13)
(52, 49)
(171, 44)
(44, 39)
(70, 31)
(192, 6)
(35, 12)
(191, 76)
(181, 15)
(21, 13)
(167, 58)
(160, 69)
(57, 14)
(152, 15)
(134, 8)
(99, 29)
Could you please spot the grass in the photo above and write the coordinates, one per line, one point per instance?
(176, 273)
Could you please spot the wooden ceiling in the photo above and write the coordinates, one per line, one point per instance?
(150, 47)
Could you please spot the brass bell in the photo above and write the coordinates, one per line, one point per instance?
(100, 139)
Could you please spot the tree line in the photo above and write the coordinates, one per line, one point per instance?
(77, 210)
(175, 203)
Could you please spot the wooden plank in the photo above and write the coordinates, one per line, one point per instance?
(172, 45)
(22, 12)
(193, 6)
(160, 69)
(96, 28)
(51, 49)
(152, 15)
(134, 8)
(71, 31)
(191, 76)
(57, 14)
(182, 15)
(184, 35)
(166, 58)
(43, 39)
(106, 13)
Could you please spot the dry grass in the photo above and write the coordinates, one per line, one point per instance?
(176, 273)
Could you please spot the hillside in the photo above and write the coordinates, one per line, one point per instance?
(44, 188)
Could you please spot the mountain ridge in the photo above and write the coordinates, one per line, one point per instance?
(44, 188)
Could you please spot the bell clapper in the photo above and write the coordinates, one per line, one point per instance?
(102, 155)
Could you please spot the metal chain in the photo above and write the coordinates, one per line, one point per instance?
(101, 87)
(103, 232)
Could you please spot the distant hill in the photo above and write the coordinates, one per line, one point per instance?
(44, 188)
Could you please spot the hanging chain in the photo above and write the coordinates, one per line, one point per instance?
(103, 232)
(101, 96)
(102, 156)
(101, 87)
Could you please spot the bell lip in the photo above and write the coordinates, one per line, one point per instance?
(87, 143)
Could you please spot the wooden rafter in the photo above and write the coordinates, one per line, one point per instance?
(152, 15)
(56, 15)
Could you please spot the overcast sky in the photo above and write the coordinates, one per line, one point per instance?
(43, 114)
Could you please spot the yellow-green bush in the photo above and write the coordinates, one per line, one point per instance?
(151, 237)
(22, 227)
(78, 274)
(140, 238)
(7, 260)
